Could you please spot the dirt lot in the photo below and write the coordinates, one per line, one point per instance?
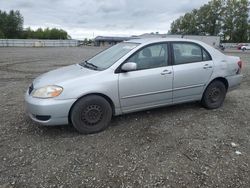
(179, 146)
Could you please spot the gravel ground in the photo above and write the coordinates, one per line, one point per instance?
(178, 146)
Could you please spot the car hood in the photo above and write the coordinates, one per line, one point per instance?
(64, 74)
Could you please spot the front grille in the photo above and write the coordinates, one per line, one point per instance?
(31, 88)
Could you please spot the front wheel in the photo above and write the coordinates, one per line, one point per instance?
(214, 95)
(91, 114)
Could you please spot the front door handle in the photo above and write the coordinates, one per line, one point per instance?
(207, 66)
(166, 72)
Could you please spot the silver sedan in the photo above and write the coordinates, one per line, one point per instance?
(132, 76)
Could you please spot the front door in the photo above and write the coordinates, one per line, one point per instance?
(151, 84)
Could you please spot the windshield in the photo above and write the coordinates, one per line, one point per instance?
(108, 57)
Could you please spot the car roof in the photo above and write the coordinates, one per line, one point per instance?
(146, 41)
(155, 40)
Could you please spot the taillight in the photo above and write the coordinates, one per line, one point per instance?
(240, 63)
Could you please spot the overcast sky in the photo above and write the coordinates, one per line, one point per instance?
(88, 18)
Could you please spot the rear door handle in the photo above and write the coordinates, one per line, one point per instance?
(166, 72)
(207, 66)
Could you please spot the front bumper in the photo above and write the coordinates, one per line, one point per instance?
(48, 111)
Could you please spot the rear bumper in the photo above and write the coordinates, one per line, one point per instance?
(48, 111)
(234, 81)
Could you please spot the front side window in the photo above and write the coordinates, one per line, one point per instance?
(108, 57)
(189, 53)
(153, 56)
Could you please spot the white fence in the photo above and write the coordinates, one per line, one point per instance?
(37, 43)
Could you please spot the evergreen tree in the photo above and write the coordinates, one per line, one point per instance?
(228, 18)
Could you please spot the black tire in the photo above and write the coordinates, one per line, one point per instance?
(214, 95)
(243, 49)
(91, 114)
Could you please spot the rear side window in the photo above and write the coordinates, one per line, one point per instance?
(206, 56)
(189, 53)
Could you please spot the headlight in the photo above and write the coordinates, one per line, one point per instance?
(47, 92)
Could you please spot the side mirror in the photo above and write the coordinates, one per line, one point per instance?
(130, 66)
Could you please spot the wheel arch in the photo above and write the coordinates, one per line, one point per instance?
(222, 79)
(98, 94)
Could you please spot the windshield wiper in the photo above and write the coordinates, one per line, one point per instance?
(90, 65)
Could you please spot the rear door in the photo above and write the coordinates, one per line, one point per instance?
(193, 67)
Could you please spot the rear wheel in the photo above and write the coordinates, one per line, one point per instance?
(214, 95)
(91, 114)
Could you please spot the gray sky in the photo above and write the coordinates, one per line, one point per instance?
(85, 18)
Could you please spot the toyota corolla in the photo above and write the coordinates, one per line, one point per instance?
(132, 76)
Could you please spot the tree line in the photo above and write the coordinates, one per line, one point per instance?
(11, 24)
(226, 18)
(11, 27)
(45, 34)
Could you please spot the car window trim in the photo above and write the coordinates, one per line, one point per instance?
(188, 42)
(118, 69)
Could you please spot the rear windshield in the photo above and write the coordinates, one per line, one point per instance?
(109, 56)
